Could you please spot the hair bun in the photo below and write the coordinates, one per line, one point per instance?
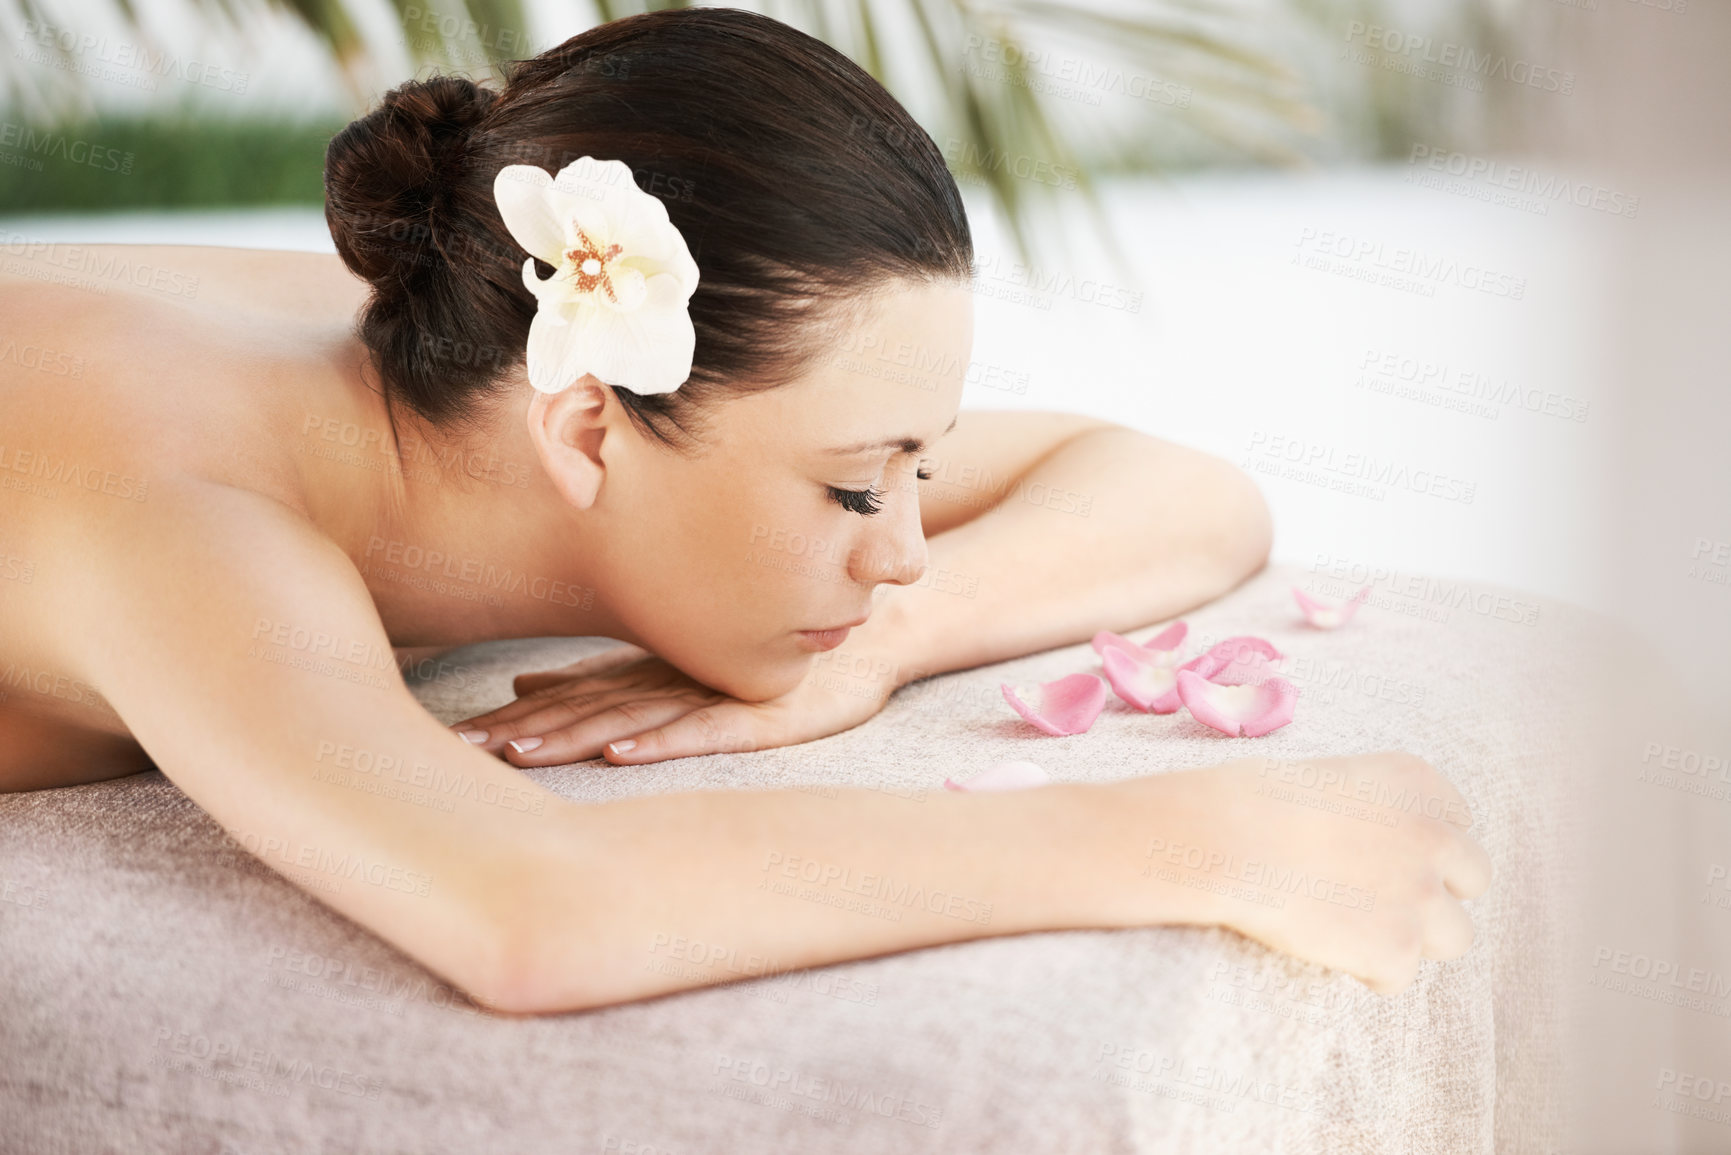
(386, 174)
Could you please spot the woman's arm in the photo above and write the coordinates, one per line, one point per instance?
(1107, 528)
(1043, 528)
(420, 661)
(243, 651)
(684, 890)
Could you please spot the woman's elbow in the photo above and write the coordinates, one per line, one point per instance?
(1230, 528)
(495, 948)
(1249, 525)
(537, 972)
(503, 980)
(546, 947)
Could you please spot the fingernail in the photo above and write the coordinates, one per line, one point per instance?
(524, 745)
(476, 737)
(621, 747)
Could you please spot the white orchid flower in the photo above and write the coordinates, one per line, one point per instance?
(616, 304)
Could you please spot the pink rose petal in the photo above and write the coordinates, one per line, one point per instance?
(1239, 661)
(1254, 668)
(1169, 638)
(1243, 711)
(1107, 640)
(1141, 672)
(1239, 649)
(1068, 705)
(1142, 679)
(1146, 678)
(1324, 616)
(1003, 776)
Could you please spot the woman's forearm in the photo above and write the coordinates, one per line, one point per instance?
(626, 900)
(665, 893)
(421, 663)
(1113, 529)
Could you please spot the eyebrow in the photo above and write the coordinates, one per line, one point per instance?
(905, 443)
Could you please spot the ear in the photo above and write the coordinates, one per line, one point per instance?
(567, 429)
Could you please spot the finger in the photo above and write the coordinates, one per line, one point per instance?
(1397, 955)
(582, 740)
(528, 683)
(1451, 805)
(592, 664)
(594, 692)
(601, 716)
(537, 712)
(1391, 984)
(1466, 867)
(1444, 799)
(1383, 953)
(716, 729)
(1448, 929)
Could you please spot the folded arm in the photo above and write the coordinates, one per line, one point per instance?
(245, 655)
(1041, 530)
(243, 652)
(1044, 528)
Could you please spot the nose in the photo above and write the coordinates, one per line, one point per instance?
(894, 549)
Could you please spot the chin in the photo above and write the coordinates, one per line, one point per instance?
(768, 684)
(756, 682)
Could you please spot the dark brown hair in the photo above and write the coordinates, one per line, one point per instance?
(799, 184)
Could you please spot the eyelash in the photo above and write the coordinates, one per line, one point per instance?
(866, 502)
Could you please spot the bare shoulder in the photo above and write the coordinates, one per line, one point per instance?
(138, 386)
(178, 358)
(117, 412)
(315, 288)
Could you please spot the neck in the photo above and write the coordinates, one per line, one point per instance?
(459, 536)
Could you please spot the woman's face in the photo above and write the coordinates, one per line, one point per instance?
(724, 561)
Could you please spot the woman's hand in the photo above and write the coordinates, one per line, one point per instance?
(627, 697)
(1359, 863)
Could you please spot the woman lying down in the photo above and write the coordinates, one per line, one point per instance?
(627, 333)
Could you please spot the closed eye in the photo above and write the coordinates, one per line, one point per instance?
(861, 501)
(867, 501)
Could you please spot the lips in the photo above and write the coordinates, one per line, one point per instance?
(831, 638)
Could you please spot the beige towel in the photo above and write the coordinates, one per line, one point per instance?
(162, 992)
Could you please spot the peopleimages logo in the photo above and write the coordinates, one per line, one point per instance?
(1065, 76)
(126, 55)
(786, 1086)
(1418, 595)
(1663, 972)
(1461, 388)
(1401, 266)
(967, 158)
(1489, 176)
(91, 267)
(57, 145)
(1305, 460)
(1453, 61)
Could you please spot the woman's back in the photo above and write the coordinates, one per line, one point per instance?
(107, 392)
